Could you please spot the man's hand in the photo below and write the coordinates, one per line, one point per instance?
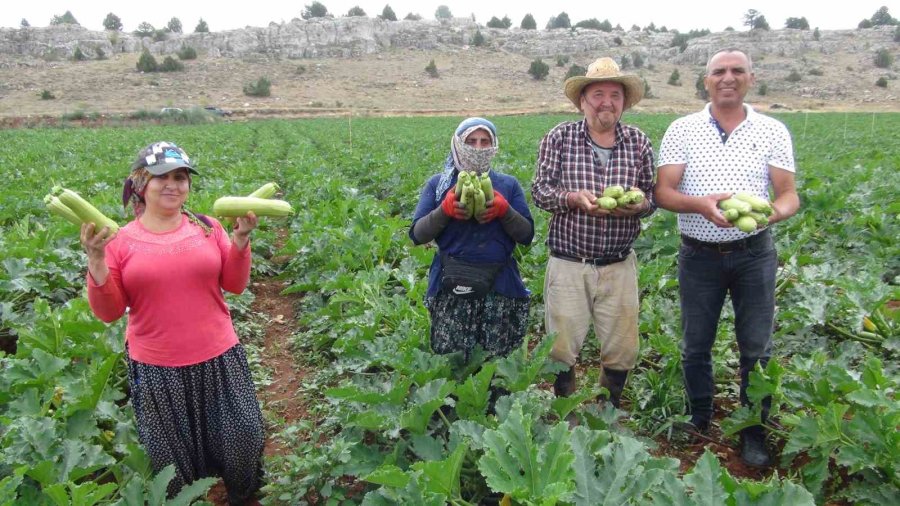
(709, 209)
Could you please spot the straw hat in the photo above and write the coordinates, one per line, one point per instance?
(605, 70)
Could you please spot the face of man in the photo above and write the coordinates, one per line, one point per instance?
(603, 104)
(728, 79)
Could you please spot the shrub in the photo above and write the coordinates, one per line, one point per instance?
(170, 64)
(300, 70)
(589, 24)
(700, 86)
(562, 61)
(576, 70)
(101, 54)
(816, 72)
(65, 19)
(187, 53)
(78, 55)
(674, 78)
(883, 58)
(897, 34)
(24, 23)
(817, 34)
(864, 24)
(478, 39)
(528, 23)
(201, 27)
(797, 23)
(637, 59)
(413, 17)
(147, 63)
(387, 14)
(617, 40)
(881, 82)
(499, 23)
(431, 68)
(625, 62)
(647, 92)
(47, 95)
(793, 77)
(762, 90)
(261, 88)
(314, 10)
(356, 11)
(538, 69)
(160, 35)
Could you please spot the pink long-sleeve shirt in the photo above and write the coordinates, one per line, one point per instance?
(172, 285)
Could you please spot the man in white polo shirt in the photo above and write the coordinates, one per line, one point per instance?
(704, 158)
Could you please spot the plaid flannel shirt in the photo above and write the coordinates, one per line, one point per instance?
(567, 163)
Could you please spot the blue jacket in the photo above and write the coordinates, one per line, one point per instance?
(473, 242)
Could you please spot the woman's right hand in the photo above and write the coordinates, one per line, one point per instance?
(94, 245)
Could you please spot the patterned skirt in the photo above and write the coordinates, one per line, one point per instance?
(204, 418)
(496, 323)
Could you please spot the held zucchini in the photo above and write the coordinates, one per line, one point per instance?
(86, 212)
(240, 206)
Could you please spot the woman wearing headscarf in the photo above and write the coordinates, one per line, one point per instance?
(194, 401)
(482, 243)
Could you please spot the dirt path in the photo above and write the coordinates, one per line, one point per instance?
(280, 397)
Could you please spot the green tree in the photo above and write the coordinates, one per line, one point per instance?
(499, 23)
(146, 63)
(25, 24)
(881, 82)
(261, 88)
(650, 28)
(797, 23)
(637, 59)
(413, 17)
(528, 23)
(793, 77)
(576, 71)
(145, 29)
(588, 24)
(170, 64)
(762, 90)
(112, 23)
(314, 10)
(864, 24)
(625, 62)
(356, 11)
(883, 58)
(897, 34)
(478, 39)
(761, 23)
(202, 27)
(883, 18)
(442, 13)
(817, 34)
(675, 78)
(700, 86)
(78, 55)
(187, 53)
(65, 19)
(561, 21)
(174, 25)
(750, 18)
(432, 69)
(538, 69)
(387, 14)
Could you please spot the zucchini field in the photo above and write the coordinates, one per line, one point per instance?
(387, 422)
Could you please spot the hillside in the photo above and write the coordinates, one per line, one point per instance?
(368, 66)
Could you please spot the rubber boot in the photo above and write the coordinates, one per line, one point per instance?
(614, 381)
(701, 414)
(565, 383)
(754, 451)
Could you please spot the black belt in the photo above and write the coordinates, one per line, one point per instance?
(593, 261)
(730, 246)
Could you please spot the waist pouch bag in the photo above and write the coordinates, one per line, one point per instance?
(468, 280)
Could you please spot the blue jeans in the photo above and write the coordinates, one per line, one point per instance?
(705, 277)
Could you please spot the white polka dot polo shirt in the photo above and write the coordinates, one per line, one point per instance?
(740, 163)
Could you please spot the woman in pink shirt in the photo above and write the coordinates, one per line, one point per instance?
(194, 401)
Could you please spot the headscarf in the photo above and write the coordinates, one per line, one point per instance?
(135, 184)
(465, 157)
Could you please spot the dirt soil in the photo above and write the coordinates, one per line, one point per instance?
(394, 82)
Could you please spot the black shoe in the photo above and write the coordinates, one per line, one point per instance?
(754, 452)
(565, 383)
(700, 424)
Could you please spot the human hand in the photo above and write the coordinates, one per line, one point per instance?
(633, 208)
(584, 201)
(494, 208)
(243, 225)
(94, 243)
(454, 208)
(709, 209)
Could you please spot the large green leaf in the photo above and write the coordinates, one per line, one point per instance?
(703, 480)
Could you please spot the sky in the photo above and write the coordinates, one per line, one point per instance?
(683, 16)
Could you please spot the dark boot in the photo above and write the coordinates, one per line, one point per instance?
(614, 381)
(701, 414)
(754, 452)
(565, 383)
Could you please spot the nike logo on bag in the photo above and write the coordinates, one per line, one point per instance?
(462, 290)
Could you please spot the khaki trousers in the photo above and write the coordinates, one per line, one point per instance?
(576, 295)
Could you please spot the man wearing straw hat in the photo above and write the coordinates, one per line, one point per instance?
(592, 270)
(705, 158)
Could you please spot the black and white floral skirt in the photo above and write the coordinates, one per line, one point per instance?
(204, 418)
(496, 323)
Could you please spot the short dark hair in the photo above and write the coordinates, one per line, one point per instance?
(731, 50)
